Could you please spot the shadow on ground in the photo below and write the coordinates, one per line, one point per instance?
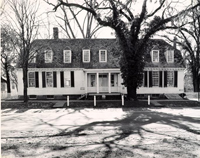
(129, 136)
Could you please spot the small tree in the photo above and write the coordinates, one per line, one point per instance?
(26, 24)
(9, 41)
(133, 30)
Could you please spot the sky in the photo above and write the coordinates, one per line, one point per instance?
(49, 20)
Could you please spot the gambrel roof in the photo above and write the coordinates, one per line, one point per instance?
(94, 45)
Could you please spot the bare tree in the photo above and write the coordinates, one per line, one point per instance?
(9, 41)
(68, 20)
(26, 24)
(133, 30)
(188, 38)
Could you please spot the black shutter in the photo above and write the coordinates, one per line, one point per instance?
(54, 79)
(36, 80)
(145, 78)
(62, 78)
(43, 80)
(72, 78)
(150, 78)
(160, 78)
(165, 78)
(175, 78)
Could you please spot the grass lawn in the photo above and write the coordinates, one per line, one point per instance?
(99, 104)
(180, 103)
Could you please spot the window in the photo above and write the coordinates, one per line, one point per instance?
(49, 79)
(32, 56)
(155, 56)
(31, 79)
(67, 56)
(155, 78)
(102, 56)
(48, 56)
(86, 55)
(170, 56)
(170, 78)
(67, 79)
(33, 60)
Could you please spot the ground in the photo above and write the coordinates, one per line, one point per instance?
(101, 133)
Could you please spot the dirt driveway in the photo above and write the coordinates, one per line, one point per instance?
(60, 133)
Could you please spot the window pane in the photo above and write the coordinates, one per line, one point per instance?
(170, 56)
(31, 77)
(67, 56)
(86, 55)
(31, 82)
(155, 76)
(103, 55)
(49, 79)
(155, 56)
(48, 56)
(170, 78)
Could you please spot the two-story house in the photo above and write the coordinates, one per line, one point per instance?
(83, 66)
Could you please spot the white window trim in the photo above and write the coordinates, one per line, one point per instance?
(172, 78)
(100, 55)
(158, 78)
(51, 56)
(172, 56)
(158, 56)
(84, 50)
(65, 56)
(46, 79)
(29, 79)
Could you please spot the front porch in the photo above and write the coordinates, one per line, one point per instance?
(103, 82)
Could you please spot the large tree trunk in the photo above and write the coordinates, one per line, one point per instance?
(196, 83)
(25, 72)
(131, 93)
(8, 81)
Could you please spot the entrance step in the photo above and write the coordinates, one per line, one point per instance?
(59, 104)
(82, 96)
(173, 96)
(156, 104)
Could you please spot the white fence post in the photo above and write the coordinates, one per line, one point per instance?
(95, 100)
(148, 99)
(67, 100)
(122, 99)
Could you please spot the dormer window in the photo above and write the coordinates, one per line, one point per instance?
(67, 56)
(170, 56)
(86, 55)
(48, 56)
(155, 56)
(102, 56)
(32, 57)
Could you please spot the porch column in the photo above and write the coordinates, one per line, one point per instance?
(85, 82)
(109, 82)
(40, 79)
(97, 74)
(58, 79)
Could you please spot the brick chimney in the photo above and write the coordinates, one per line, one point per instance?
(55, 33)
(174, 42)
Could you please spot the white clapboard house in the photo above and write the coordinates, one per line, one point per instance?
(78, 67)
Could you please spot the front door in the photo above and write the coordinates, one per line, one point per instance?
(103, 82)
